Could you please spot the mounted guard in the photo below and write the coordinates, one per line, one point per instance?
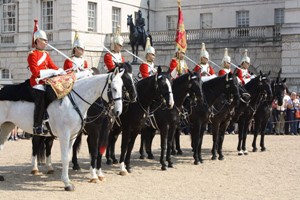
(147, 68)
(243, 73)
(226, 62)
(203, 68)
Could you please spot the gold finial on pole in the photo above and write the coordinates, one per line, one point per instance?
(178, 1)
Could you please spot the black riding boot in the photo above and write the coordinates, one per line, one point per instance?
(39, 103)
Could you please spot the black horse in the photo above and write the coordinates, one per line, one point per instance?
(226, 85)
(156, 87)
(264, 111)
(136, 38)
(259, 88)
(167, 120)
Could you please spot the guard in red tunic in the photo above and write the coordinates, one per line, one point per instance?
(79, 63)
(204, 69)
(178, 65)
(41, 66)
(243, 73)
(147, 68)
(115, 57)
(226, 62)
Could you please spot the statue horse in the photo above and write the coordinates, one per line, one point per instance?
(136, 38)
(156, 87)
(167, 120)
(64, 120)
(264, 111)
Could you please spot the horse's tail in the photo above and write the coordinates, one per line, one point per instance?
(77, 143)
(39, 149)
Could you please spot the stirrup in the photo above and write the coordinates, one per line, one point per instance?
(37, 130)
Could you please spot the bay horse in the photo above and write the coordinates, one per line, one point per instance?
(226, 85)
(259, 88)
(264, 111)
(136, 38)
(64, 120)
(167, 120)
(156, 87)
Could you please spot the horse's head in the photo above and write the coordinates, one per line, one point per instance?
(195, 87)
(114, 91)
(163, 85)
(232, 88)
(129, 86)
(278, 88)
(129, 20)
(265, 84)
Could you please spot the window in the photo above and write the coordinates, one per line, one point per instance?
(172, 22)
(116, 18)
(205, 20)
(242, 18)
(47, 15)
(5, 74)
(92, 16)
(9, 16)
(279, 16)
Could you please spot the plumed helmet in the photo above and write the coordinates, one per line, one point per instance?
(77, 42)
(203, 52)
(245, 57)
(118, 39)
(149, 48)
(226, 58)
(40, 34)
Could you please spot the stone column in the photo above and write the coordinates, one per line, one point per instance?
(291, 45)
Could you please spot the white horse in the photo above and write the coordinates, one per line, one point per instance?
(64, 120)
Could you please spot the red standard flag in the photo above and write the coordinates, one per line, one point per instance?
(36, 27)
(180, 32)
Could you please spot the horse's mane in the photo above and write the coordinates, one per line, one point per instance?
(18, 92)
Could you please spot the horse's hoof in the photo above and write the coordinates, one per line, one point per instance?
(108, 162)
(179, 152)
(115, 162)
(245, 152)
(50, 171)
(123, 173)
(151, 157)
(163, 168)
(129, 170)
(94, 180)
(170, 165)
(254, 150)
(35, 172)
(221, 158)
(196, 162)
(71, 187)
(142, 157)
(240, 153)
(201, 161)
(173, 153)
(214, 158)
(1, 178)
(76, 168)
(263, 149)
(101, 178)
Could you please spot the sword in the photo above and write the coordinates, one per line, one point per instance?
(135, 56)
(196, 64)
(64, 55)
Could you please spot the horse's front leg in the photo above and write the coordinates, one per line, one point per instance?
(221, 140)
(215, 132)
(148, 142)
(36, 140)
(195, 135)
(92, 141)
(129, 149)
(163, 146)
(66, 148)
(171, 133)
(124, 147)
(100, 174)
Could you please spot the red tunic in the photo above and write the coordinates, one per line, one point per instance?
(109, 61)
(39, 60)
(210, 70)
(144, 70)
(69, 64)
(173, 66)
(223, 72)
(241, 74)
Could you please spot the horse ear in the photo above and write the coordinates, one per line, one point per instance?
(159, 69)
(122, 71)
(116, 71)
(284, 80)
(260, 72)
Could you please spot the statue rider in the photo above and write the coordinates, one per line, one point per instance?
(140, 23)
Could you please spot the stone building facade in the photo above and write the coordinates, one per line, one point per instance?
(270, 30)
